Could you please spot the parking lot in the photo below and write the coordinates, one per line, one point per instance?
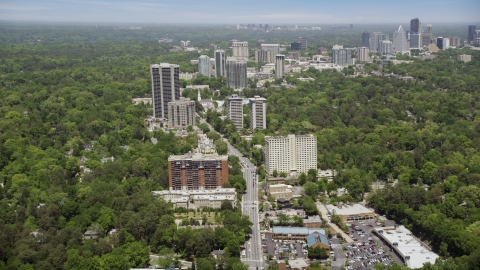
(367, 250)
(283, 249)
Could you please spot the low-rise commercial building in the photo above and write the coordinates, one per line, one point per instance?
(409, 249)
(280, 191)
(349, 213)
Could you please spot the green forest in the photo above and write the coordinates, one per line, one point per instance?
(64, 87)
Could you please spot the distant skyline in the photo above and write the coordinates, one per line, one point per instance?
(246, 11)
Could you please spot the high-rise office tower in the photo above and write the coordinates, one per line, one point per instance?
(266, 27)
(351, 26)
(258, 113)
(236, 71)
(181, 113)
(240, 49)
(415, 40)
(194, 171)
(260, 42)
(292, 154)
(362, 54)
(415, 26)
(230, 43)
(386, 47)
(455, 41)
(400, 40)
(341, 56)
(219, 63)
(165, 87)
(260, 26)
(295, 45)
(280, 66)
(366, 39)
(204, 65)
(303, 43)
(440, 43)
(381, 38)
(471, 33)
(374, 39)
(427, 35)
(267, 53)
(446, 43)
(235, 111)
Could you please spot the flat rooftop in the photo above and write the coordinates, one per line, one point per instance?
(408, 245)
(197, 157)
(296, 230)
(347, 210)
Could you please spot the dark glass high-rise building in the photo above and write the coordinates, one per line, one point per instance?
(415, 26)
(440, 43)
(471, 32)
(219, 63)
(366, 39)
(165, 87)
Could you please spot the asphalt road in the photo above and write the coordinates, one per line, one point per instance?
(253, 246)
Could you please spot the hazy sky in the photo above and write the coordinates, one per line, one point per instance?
(241, 11)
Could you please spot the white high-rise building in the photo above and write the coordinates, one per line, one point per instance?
(219, 63)
(267, 53)
(258, 113)
(386, 47)
(181, 113)
(240, 49)
(292, 154)
(280, 66)
(400, 40)
(363, 54)
(341, 56)
(165, 87)
(235, 111)
(204, 65)
(236, 71)
(446, 43)
(374, 39)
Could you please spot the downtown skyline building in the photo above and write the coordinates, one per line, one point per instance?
(165, 87)
(386, 47)
(267, 53)
(366, 39)
(236, 72)
(363, 54)
(240, 49)
(204, 65)
(219, 63)
(279, 66)
(471, 33)
(341, 56)
(400, 40)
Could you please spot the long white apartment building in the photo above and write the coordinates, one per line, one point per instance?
(292, 154)
(258, 113)
(197, 199)
(363, 54)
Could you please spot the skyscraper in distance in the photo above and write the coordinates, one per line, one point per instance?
(204, 65)
(415, 26)
(165, 87)
(280, 66)
(427, 35)
(374, 38)
(366, 39)
(471, 33)
(303, 43)
(236, 72)
(219, 63)
(400, 40)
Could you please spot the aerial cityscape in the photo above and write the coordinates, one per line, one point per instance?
(215, 136)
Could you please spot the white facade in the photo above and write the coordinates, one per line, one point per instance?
(400, 40)
(281, 191)
(267, 53)
(446, 43)
(197, 199)
(258, 112)
(204, 65)
(293, 154)
(280, 66)
(341, 56)
(363, 54)
(235, 111)
(181, 113)
(386, 47)
(240, 49)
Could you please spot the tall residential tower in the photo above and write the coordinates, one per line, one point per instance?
(165, 87)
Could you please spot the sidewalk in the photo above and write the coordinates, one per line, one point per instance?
(324, 212)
